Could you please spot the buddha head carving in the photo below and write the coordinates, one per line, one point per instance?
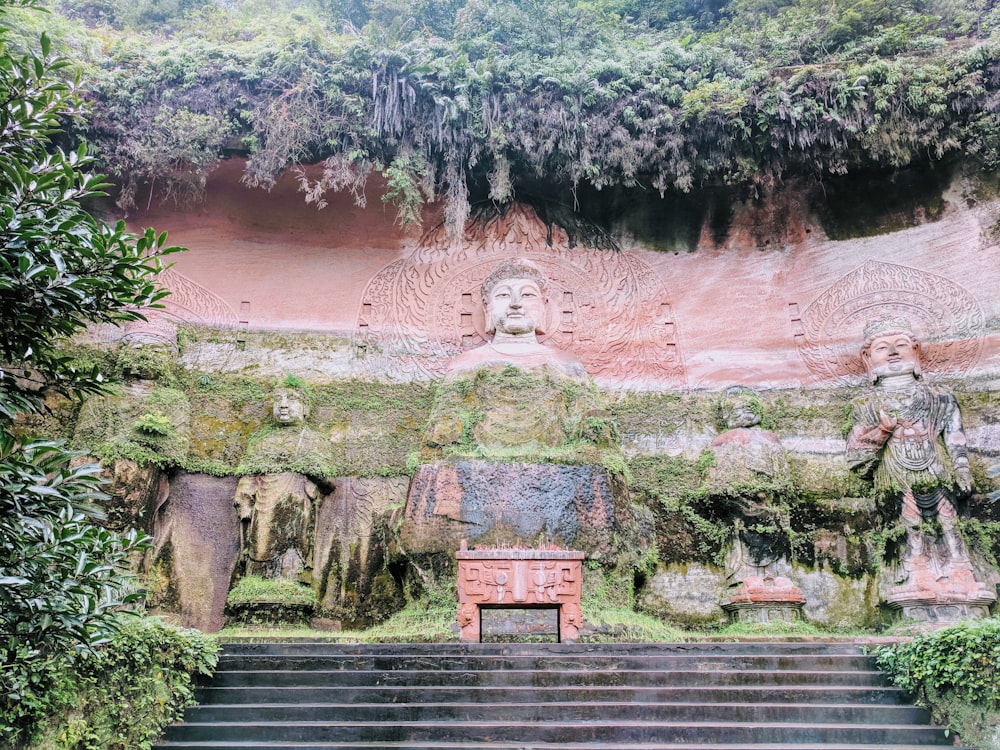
(890, 348)
(289, 407)
(514, 295)
(739, 407)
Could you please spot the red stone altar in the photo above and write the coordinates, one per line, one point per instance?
(519, 578)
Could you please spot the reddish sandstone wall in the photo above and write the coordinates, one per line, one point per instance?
(786, 313)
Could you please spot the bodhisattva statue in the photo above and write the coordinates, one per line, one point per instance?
(908, 436)
(748, 476)
(276, 509)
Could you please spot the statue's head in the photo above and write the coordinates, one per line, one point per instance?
(289, 406)
(739, 407)
(890, 348)
(514, 295)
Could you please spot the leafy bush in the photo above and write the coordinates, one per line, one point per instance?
(61, 577)
(135, 685)
(955, 672)
(471, 100)
(153, 424)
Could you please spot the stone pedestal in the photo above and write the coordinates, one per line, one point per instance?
(763, 599)
(519, 578)
(941, 598)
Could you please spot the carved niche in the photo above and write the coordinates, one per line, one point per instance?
(946, 316)
(608, 307)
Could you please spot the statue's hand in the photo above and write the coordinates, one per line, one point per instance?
(886, 422)
(963, 478)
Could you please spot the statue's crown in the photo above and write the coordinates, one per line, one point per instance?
(886, 326)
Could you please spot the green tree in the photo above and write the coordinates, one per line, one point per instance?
(61, 578)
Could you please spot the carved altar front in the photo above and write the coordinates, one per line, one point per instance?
(519, 578)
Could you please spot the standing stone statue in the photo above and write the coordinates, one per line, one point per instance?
(908, 436)
(276, 507)
(746, 480)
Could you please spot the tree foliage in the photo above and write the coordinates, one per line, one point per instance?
(61, 577)
(463, 100)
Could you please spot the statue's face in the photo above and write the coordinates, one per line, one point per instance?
(288, 407)
(738, 412)
(515, 306)
(894, 354)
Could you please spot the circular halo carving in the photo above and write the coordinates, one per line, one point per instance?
(945, 316)
(607, 307)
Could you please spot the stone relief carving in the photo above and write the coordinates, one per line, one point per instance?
(947, 316)
(276, 510)
(190, 302)
(350, 555)
(748, 477)
(908, 436)
(519, 578)
(514, 296)
(609, 307)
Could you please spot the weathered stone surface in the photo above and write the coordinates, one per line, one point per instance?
(196, 545)
(733, 304)
(134, 492)
(276, 524)
(838, 601)
(510, 503)
(686, 594)
(352, 548)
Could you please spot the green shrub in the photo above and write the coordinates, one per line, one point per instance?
(127, 691)
(954, 672)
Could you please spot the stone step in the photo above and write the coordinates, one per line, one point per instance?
(586, 710)
(499, 730)
(705, 696)
(545, 677)
(532, 694)
(696, 661)
(535, 649)
(460, 745)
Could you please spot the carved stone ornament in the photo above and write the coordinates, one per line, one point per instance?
(763, 599)
(514, 577)
(607, 307)
(945, 316)
(190, 302)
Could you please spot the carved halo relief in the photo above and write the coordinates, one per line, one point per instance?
(609, 308)
(946, 317)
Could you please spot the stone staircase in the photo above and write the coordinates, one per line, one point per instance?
(708, 696)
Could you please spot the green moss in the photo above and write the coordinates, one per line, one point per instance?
(508, 414)
(148, 427)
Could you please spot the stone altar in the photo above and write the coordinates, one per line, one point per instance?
(519, 578)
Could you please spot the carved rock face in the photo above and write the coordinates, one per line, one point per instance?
(196, 545)
(349, 568)
(514, 307)
(893, 355)
(288, 407)
(275, 513)
(516, 503)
